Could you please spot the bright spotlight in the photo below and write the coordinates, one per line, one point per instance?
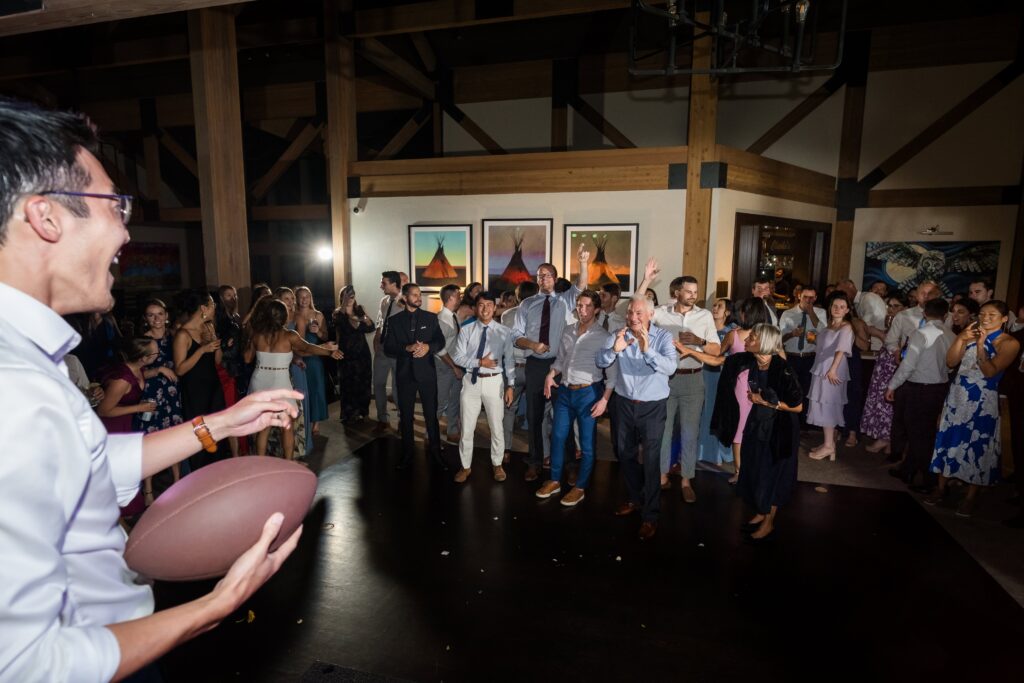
(324, 253)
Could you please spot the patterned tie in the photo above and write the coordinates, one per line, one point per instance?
(803, 334)
(545, 321)
(479, 355)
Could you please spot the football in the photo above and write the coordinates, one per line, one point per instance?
(204, 522)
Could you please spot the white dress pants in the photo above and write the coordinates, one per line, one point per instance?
(488, 392)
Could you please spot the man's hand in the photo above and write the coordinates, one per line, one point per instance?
(890, 395)
(251, 570)
(457, 371)
(599, 407)
(684, 351)
(538, 347)
(255, 413)
(509, 393)
(488, 362)
(690, 338)
(651, 270)
(621, 342)
(642, 338)
(795, 332)
(549, 384)
(420, 350)
(582, 254)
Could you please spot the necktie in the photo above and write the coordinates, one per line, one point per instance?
(479, 355)
(803, 334)
(387, 318)
(545, 321)
(604, 323)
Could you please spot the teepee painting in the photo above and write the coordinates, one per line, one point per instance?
(513, 250)
(613, 254)
(440, 255)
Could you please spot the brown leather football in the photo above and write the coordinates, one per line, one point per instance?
(202, 524)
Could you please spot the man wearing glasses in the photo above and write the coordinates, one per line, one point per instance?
(538, 327)
(69, 606)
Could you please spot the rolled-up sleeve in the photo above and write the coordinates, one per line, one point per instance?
(124, 455)
(37, 498)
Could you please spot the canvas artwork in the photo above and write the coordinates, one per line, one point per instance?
(902, 265)
(150, 265)
(513, 250)
(613, 254)
(440, 255)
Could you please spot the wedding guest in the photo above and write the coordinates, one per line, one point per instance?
(968, 446)
(963, 313)
(162, 387)
(301, 426)
(608, 318)
(800, 327)
(772, 430)
(311, 326)
(383, 365)
(831, 374)
(652, 296)
(355, 369)
(876, 422)
(524, 290)
(711, 450)
(449, 375)
(196, 354)
(467, 307)
(854, 408)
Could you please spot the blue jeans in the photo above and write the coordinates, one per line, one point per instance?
(574, 405)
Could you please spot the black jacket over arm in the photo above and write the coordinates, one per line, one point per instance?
(781, 380)
(406, 328)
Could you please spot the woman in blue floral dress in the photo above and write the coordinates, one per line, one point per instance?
(968, 446)
(161, 387)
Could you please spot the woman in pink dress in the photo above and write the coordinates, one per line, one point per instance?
(830, 375)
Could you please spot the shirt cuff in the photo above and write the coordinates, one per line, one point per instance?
(124, 457)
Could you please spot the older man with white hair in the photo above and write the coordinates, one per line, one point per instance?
(646, 360)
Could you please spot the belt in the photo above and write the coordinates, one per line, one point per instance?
(521, 365)
(577, 387)
(926, 384)
(489, 374)
(805, 354)
(687, 371)
(264, 367)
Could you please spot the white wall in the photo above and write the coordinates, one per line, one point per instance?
(971, 223)
(380, 234)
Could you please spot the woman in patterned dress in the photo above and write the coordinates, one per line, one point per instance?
(968, 446)
(877, 419)
(161, 387)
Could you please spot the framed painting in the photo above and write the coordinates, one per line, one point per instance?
(902, 265)
(513, 250)
(613, 253)
(150, 265)
(440, 255)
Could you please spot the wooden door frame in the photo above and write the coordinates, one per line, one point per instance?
(822, 232)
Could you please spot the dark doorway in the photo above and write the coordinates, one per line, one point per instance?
(784, 250)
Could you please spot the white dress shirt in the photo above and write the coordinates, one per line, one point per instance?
(449, 324)
(389, 308)
(773, 315)
(529, 313)
(577, 356)
(696, 320)
(508, 319)
(791, 319)
(610, 321)
(62, 571)
(871, 309)
(925, 361)
(498, 346)
(903, 325)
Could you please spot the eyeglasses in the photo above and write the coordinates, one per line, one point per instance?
(124, 201)
(545, 276)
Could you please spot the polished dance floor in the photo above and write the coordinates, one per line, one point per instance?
(411, 576)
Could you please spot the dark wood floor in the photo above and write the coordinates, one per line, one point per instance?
(411, 575)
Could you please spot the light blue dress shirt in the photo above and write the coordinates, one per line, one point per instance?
(498, 346)
(643, 376)
(529, 314)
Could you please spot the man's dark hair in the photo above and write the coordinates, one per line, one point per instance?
(595, 298)
(391, 276)
(972, 306)
(407, 286)
(447, 291)
(549, 266)
(753, 312)
(936, 309)
(485, 295)
(984, 282)
(40, 149)
(526, 289)
(562, 285)
(762, 280)
(612, 289)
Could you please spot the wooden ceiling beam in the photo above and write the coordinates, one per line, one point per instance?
(299, 145)
(444, 14)
(384, 58)
(406, 133)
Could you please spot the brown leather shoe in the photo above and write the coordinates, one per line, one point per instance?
(647, 530)
(689, 495)
(626, 509)
(499, 473)
(549, 489)
(574, 496)
(462, 475)
(531, 474)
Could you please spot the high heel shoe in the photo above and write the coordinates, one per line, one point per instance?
(829, 453)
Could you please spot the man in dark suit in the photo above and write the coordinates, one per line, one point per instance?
(413, 337)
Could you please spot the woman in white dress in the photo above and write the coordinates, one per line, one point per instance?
(272, 346)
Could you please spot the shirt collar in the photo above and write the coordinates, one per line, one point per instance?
(37, 322)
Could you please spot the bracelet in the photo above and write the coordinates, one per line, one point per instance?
(202, 433)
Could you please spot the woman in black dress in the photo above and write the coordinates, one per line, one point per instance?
(196, 354)
(355, 369)
(772, 432)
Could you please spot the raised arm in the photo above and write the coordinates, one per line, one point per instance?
(650, 272)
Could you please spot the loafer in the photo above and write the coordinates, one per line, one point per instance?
(549, 489)
(626, 509)
(647, 530)
(462, 475)
(499, 473)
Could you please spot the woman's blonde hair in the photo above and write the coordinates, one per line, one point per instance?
(769, 339)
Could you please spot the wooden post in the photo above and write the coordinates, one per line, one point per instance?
(341, 137)
(560, 104)
(1015, 287)
(700, 142)
(849, 192)
(218, 117)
